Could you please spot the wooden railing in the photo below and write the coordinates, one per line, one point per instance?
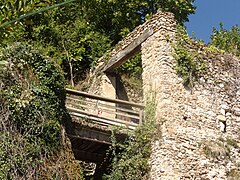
(104, 111)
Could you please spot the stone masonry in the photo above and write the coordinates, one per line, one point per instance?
(198, 126)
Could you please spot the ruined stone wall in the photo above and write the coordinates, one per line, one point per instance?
(194, 144)
(199, 127)
(99, 80)
(155, 23)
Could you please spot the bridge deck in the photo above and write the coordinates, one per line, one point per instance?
(90, 143)
(104, 111)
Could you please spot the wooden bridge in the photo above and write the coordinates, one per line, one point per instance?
(93, 116)
(92, 120)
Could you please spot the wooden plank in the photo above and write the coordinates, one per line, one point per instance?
(127, 52)
(128, 110)
(79, 131)
(136, 112)
(117, 122)
(87, 95)
(69, 99)
(88, 156)
(90, 114)
(96, 120)
(141, 117)
(91, 139)
(134, 115)
(103, 122)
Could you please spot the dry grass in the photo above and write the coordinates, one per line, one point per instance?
(216, 150)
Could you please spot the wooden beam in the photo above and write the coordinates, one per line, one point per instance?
(122, 56)
(79, 132)
(79, 101)
(91, 139)
(120, 112)
(88, 156)
(78, 112)
(91, 135)
(87, 95)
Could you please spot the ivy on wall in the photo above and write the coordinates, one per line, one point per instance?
(32, 110)
(189, 64)
(130, 158)
(227, 40)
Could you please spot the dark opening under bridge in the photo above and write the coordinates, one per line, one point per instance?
(92, 119)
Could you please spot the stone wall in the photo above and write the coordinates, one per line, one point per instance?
(156, 23)
(199, 127)
(99, 80)
(103, 85)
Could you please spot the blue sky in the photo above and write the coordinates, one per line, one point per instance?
(209, 13)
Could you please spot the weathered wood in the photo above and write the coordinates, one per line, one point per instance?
(76, 99)
(121, 112)
(127, 52)
(92, 138)
(100, 117)
(124, 117)
(107, 121)
(87, 95)
(88, 156)
(100, 105)
(87, 133)
(103, 122)
(91, 143)
(141, 117)
(98, 121)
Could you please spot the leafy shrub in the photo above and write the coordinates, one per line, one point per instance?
(227, 40)
(130, 158)
(180, 8)
(32, 110)
(190, 65)
(133, 66)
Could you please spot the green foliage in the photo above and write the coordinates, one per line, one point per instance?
(130, 158)
(189, 64)
(11, 9)
(123, 15)
(227, 40)
(216, 150)
(133, 66)
(67, 37)
(18, 156)
(71, 42)
(180, 8)
(186, 65)
(42, 96)
(77, 34)
(213, 49)
(234, 174)
(32, 110)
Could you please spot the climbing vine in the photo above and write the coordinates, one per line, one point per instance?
(31, 111)
(132, 67)
(227, 40)
(189, 64)
(130, 158)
